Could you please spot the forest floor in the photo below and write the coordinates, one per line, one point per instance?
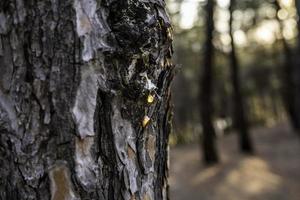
(273, 173)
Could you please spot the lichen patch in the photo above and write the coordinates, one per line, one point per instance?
(85, 104)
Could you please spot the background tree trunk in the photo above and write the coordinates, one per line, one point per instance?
(297, 69)
(239, 117)
(84, 99)
(208, 139)
(288, 85)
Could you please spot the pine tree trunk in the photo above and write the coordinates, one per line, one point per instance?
(297, 69)
(288, 86)
(208, 139)
(239, 118)
(84, 99)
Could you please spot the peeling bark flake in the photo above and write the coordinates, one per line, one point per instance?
(92, 27)
(124, 136)
(61, 187)
(85, 165)
(3, 23)
(7, 105)
(85, 104)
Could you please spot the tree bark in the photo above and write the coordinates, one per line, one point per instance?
(84, 99)
(208, 139)
(239, 116)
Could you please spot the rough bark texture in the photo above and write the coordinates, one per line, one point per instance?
(239, 115)
(84, 99)
(210, 155)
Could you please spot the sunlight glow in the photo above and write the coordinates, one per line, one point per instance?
(266, 32)
(172, 6)
(290, 26)
(225, 39)
(188, 12)
(189, 9)
(223, 3)
(240, 38)
(265, 35)
(282, 14)
(221, 23)
(286, 3)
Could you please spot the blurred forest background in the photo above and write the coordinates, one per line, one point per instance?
(238, 71)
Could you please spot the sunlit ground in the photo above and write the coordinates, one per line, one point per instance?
(272, 174)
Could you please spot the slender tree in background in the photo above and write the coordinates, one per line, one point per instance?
(84, 99)
(288, 85)
(239, 116)
(208, 139)
(297, 69)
